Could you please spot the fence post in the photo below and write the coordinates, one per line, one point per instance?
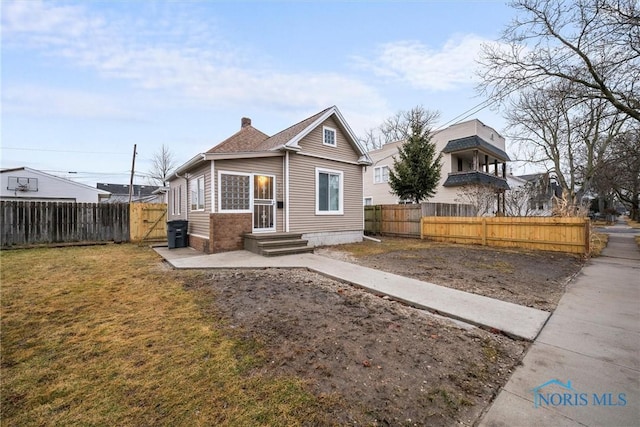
(587, 237)
(484, 231)
(421, 228)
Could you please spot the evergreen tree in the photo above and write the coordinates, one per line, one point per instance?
(416, 169)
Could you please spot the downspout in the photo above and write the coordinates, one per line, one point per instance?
(213, 183)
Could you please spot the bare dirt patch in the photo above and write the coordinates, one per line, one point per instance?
(374, 361)
(533, 279)
(371, 361)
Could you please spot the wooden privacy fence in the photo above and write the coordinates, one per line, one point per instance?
(393, 220)
(30, 223)
(404, 220)
(148, 222)
(539, 233)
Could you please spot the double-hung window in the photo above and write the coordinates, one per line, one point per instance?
(329, 192)
(176, 199)
(381, 174)
(197, 194)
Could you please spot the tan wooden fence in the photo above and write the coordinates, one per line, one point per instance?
(539, 233)
(148, 222)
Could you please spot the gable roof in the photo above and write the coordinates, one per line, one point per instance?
(474, 142)
(251, 142)
(284, 137)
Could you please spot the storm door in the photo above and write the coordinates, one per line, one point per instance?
(264, 203)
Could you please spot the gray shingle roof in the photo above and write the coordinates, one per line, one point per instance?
(478, 178)
(476, 142)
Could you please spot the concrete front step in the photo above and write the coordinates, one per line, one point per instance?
(273, 244)
(287, 251)
(267, 244)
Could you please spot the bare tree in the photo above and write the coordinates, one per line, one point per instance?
(399, 127)
(518, 201)
(591, 45)
(620, 172)
(567, 137)
(162, 164)
(483, 198)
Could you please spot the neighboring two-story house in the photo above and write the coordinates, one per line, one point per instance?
(472, 153)
(306, 179)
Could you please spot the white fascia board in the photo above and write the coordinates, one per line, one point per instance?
(293, 143)
(242, 155)
(195, 160)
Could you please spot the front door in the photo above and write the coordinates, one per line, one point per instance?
(264, 203)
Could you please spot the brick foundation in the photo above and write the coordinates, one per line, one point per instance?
(199, 244)
(226, 231)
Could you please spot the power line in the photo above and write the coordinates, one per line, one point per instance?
(61, 151)
(469, 112)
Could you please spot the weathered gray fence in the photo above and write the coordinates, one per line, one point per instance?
(404, 220)
(31, 223)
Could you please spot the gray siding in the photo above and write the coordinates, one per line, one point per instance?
(314, 153)
(266, 166)
(303, 218)
(199, 220)
(173, 186)
(312, 143)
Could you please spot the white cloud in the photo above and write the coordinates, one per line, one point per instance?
(43, 101)
(182, 57)
(446, 68)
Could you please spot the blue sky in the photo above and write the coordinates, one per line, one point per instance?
(84, 81)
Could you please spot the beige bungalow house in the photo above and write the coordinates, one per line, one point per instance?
(303, 184)
(472, 153)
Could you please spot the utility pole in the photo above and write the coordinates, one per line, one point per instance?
(133, 167)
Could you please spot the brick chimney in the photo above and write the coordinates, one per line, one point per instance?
(246, 121)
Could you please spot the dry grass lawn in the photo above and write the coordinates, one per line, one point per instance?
(106, 335)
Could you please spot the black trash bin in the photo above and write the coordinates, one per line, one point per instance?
(177, 234)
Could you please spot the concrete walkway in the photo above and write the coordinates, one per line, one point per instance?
(588, 354)
(512, 319)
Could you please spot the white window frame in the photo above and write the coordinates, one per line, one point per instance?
(367, 199)
(335, 136)
(340, 210)
(250, 176)
(198, 190)
(176, 199)
(380, 178)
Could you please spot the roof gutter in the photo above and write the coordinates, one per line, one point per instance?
(194, 161)
(241, 155)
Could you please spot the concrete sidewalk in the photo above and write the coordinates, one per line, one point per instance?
(588, 354)
(512, 319)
